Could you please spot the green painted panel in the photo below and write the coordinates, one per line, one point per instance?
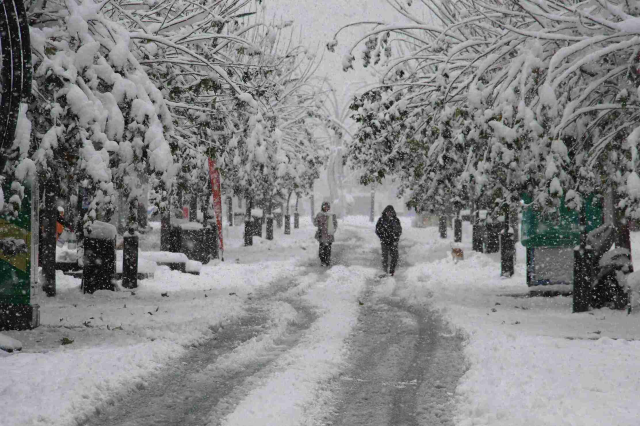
(15, 251)
(560, 228)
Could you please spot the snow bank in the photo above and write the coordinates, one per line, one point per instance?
(531, 361)
(9, 344)
(164, 256)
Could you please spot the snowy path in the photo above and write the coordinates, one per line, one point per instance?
(327, 346)
(212, 381)
(405, 364)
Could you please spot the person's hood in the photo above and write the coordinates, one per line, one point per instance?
(389, 210)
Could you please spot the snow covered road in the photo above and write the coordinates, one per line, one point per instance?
(269, 337)
(326, 346)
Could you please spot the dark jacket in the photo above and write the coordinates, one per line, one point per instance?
(388, 228)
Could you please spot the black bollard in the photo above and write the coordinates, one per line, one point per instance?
(507, 254)
(582, 277)
(99, 260)
(296, 220)
(287, 224)
(130, 260)
(457, 230)
(442, 226)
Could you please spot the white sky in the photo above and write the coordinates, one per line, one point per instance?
(319, 20)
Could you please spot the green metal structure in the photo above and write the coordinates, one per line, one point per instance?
(550, 239)
(18, 263)
(560, 228)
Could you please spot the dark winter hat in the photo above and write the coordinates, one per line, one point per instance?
(389, 210)
(326, 204)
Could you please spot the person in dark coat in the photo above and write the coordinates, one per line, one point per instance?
(388, 229)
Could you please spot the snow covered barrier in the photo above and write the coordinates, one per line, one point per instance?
(175, 261)
(9, 344)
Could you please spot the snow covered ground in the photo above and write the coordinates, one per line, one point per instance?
(530, 360)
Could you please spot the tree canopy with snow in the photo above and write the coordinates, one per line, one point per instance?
(486, 101)
(133, 98)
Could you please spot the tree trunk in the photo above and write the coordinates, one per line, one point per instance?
(457, 229)
(477, 242)
(516, 226)
(122, 219)
(166, 237)
(279, 216)
(313, 213)
(180, 201)
(130, 261)
(248, 225)
(442, 226)
(582, 269)
(48, 240)
(296, 215)
(507, 247)
(623, 235)
(373, 204)
(287, 216)
(142, 216)
(143, 205)
(193, 207)
(230, 212)
(269, 216)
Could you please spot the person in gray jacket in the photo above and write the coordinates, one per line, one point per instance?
(327, 224)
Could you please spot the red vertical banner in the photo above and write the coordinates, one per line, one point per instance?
(214, 174)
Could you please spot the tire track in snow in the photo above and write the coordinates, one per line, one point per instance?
(186, 390)
(405, 364)
(296, 389)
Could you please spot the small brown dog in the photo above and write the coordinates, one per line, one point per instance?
(456, 254)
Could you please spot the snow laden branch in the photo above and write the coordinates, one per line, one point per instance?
(491, 100)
